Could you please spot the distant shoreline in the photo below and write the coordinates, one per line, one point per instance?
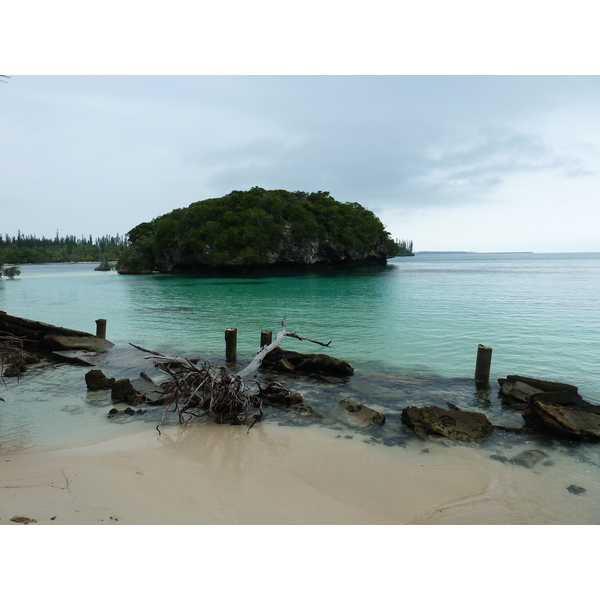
(468, 252)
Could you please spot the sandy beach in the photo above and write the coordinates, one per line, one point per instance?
(211, 474)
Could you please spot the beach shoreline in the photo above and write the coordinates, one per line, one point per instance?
(277, 475)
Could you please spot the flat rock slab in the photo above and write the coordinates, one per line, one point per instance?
(565, 421)
(542, 384)
(51, 337)
(457, 425)
(77, 342)
(77, 357)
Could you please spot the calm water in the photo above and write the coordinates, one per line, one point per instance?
(410, 330)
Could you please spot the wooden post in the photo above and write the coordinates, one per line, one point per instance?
(101, 328)
(484, 361)
(230, 344)
(266, 338)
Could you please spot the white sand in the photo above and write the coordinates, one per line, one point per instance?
(210, 474)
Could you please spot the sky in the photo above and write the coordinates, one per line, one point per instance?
(455, 163)
(463, 126)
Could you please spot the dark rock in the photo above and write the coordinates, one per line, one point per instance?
(528, 458)
(575, 489)
(123, 391)
(282, 397)
(103, 266)
(360, 415)
(288, 361)
(112, 412)
(97, 380)
(571, 422)
(129, 411)
(457, 425)
(499, 458)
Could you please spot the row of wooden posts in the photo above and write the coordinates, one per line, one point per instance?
(266, 337)
(482, 366)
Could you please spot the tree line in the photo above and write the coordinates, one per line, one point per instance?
(406, 246)
(23, 249)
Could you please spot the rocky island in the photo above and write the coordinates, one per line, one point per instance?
(260, 231)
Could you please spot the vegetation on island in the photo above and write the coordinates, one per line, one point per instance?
(23, 249)
(9, 272)
(257, 227)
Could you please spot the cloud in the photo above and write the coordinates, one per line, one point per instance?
(132, 148)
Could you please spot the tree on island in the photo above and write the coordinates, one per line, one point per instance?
(9, 272)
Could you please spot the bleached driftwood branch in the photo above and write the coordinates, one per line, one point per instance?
(260, 355)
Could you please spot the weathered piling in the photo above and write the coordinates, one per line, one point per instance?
(230, 344)
(483, 364)
(101, 328)
(266, 337)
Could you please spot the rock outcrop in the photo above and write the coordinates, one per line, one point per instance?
(259, 231)
(457, 425)
(288, 361)
(103, 266)
(97, 380)
(573, 422)
(43, 336)
(554, 408)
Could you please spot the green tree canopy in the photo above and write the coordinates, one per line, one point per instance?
(248, 228)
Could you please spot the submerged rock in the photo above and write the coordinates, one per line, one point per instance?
(360, 415)
(575, 489)
(305, 413)
(282, 397)
(528, 458)
(76, 357)
(123, 391)
(97, 380)
(457, 425)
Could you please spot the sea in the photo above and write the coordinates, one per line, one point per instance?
(410, 329)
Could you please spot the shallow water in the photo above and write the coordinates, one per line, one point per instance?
(410, 330)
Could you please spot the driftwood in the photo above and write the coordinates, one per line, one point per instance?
(195, 390)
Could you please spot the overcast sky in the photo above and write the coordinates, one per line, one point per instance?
(454, 163)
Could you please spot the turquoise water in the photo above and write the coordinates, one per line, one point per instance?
(410, 329)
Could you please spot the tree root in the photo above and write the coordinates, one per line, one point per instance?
(196, 390)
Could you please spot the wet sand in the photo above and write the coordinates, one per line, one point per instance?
(210, 474)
